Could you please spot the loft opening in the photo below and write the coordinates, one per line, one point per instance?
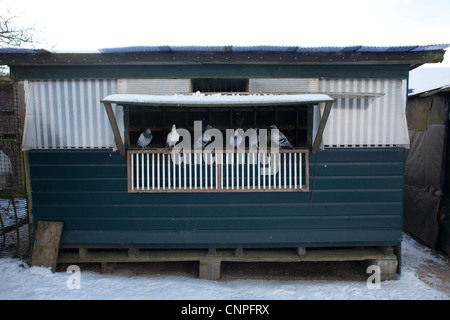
(295, 121)
(208, 85)
(157, 169)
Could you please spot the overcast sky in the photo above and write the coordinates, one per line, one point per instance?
(85, 25)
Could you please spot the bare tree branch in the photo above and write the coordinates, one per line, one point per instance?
(12, 35)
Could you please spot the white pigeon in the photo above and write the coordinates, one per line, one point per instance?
(205, 139)
(253, 139)
(236, 140)
(173, 137)
(145, 138)
(279, 138)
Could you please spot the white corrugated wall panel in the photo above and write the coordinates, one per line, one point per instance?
(368, 120)
(153, 86)
(286, 85)
(67, 114)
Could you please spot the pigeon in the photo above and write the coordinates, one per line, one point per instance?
(173, 137)
(236, 140)
(253, 139)
(145, 138)
(279, 138)
(205, 139)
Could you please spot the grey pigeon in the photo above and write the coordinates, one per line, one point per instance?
(236, 140)
(145, 138)
(279, 138)
(173, 137)
(205, 139)
(253, 139)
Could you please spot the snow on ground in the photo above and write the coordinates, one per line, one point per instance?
(19, 281)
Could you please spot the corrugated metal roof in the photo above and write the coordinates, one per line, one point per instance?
(272, 49)
(320, 49)
(430, 92)
(332, 49)
(431, 47)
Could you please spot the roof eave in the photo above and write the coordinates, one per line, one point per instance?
(413, 58)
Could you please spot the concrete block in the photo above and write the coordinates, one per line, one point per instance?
(388, 267)
(209, 269)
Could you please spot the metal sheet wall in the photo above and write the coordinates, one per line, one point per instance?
(153, 86)
(375, 116)
(67, 114)
(288, 85)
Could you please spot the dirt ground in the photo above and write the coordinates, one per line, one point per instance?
(436, 275)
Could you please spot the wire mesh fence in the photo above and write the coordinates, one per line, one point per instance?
(14, 228)
(14, 221)
(11, 157)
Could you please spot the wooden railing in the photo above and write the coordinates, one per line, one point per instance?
(161, 170)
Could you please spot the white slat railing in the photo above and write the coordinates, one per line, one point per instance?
(160, 170)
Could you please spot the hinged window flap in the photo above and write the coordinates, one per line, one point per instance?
(214, 100)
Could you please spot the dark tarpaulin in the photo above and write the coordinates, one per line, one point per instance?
(425, 168)
(420, 214)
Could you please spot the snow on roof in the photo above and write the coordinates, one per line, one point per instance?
(215, 99)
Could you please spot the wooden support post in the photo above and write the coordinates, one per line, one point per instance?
(26, 168)
(301, 251)
(46, 244)
(388, 250)
(133, 253)
(321, 128)
(115, 128)
(83, 253)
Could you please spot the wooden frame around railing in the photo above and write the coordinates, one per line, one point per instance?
(283, 170)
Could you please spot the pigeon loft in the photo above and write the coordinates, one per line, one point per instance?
(335, 194)
(292, 120)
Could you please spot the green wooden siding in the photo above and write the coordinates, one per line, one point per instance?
(355, 198)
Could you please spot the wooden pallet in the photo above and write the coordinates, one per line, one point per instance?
(210, 260)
